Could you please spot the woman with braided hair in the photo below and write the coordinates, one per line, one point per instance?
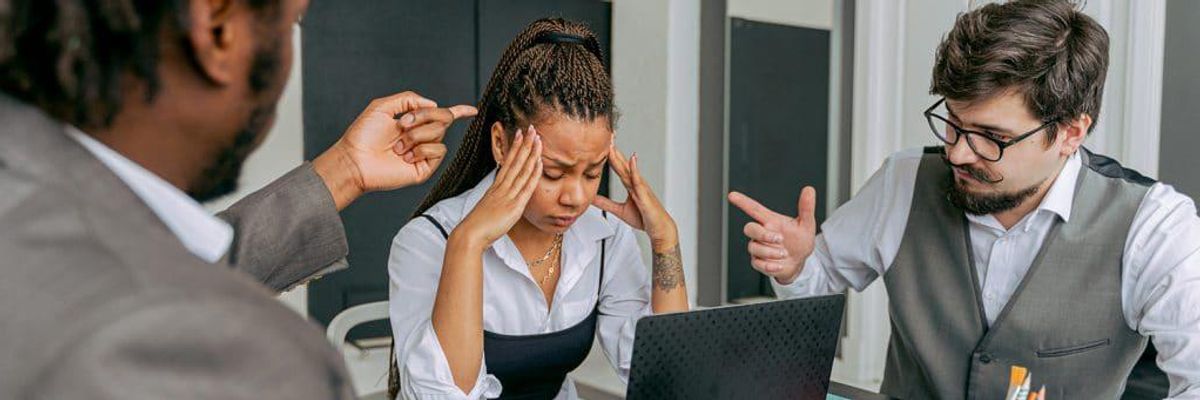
(507, 273)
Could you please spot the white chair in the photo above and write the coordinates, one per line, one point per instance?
(368, 368)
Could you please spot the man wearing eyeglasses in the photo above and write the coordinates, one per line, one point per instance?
(1011, 244)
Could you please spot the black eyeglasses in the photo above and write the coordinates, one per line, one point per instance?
(987, 146)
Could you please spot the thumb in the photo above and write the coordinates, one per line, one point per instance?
(807, 207)
(607, 204)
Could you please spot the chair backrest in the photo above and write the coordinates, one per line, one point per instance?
(351, 317)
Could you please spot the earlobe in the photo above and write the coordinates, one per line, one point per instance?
(1076, 132)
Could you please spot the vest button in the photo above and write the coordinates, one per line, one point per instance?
(985, 358)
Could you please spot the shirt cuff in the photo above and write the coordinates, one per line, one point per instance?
(805, 284)
(625, 339)
(425, 372)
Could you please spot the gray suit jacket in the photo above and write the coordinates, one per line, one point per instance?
(99, 300)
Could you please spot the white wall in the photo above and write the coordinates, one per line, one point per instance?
(282, 151)
(805, 13)
(655, 66)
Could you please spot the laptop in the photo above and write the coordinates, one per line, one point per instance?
(776, 350)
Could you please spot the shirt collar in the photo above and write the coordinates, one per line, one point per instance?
(204, 235)
(1061, 196)
(1059, 199)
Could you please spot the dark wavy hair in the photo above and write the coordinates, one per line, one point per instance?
(1049, 50)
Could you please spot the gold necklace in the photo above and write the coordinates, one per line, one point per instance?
(554, 249)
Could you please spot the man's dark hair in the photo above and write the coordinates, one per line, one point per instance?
(68, 57)
(1048, 50)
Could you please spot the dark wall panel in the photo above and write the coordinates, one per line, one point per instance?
(354, 51)
(501, 20)
(1181, 89)
(778, 129)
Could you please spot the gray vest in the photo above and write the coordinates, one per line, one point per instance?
(1064, 322)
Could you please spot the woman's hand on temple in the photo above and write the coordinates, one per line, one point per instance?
(504, 202)
(641, 209)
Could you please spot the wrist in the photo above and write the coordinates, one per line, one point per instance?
(666, 240)
(664, 244)
(461, 240)
(784, 280)
(340, 174)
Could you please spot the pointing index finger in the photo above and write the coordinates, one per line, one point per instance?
(754, 209)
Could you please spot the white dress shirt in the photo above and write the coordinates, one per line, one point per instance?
(204, 235)
(1160, 285)
(513, 303)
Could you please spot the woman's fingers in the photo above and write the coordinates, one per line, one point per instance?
(509, 155)
(530, 170)
(635, 175)
(640, 187)
(520, 156)
(535, 177)
(607, 204)
(621, 166)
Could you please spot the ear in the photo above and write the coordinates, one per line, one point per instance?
(499, 143)
(1073, 133)
(213, 37)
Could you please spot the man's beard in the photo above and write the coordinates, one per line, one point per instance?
(221, 176)
(983, 204)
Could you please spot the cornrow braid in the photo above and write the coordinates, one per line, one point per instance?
(553, 66)
(68, 57)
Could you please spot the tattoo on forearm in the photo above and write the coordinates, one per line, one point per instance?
(668, 269)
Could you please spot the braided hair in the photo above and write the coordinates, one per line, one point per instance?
(553, 66)
(68, 57)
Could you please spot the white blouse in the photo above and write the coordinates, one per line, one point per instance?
(513, 303)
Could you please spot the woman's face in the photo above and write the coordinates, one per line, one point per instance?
(574, 155)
